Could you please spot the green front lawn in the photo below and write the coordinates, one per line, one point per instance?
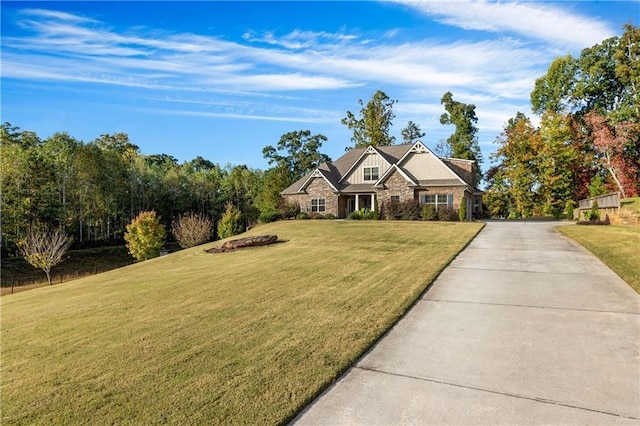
(617, 246)
(247, 337)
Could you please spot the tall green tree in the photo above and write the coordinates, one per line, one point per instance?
(27, 185)
(411, 133)
(61, 150)
(463, 143)
(373, 125)
(627, 57)
(604, 79)
(241, 186)
(99, 182)
(205, 186)
(274, 181)
(497, 199)
(554, 92)
(299, 152)
(517, 174)
(557, 163)
(120, 197)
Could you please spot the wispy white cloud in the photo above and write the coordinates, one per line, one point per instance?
(54, 14)
(494, 73)
(539, 20)
(298, 39)
(245, 115)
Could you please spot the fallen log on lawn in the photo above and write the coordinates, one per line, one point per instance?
(259, 240)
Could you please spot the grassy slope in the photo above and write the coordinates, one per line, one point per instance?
(617, 246)
(632, 203)
(77, 263)
(242, 337)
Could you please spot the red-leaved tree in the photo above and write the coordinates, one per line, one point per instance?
(619, 149)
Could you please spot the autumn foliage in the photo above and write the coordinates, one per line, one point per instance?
(615, 144)
(145, 236)
(588, 139)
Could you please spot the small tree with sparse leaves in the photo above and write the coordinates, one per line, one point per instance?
(44, 248)
(192, 229)
(145, 236)
(231, 222)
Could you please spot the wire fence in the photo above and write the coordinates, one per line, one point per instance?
(16, 284)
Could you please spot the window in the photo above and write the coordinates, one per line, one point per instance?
(371, 173)
(437, 200)
(395, 198)
(317, 205)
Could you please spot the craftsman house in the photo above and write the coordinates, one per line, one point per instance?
(367, 177)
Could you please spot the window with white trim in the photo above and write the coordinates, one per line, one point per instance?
(317, 205)
(371, 173)
(395, 198)
(437, 200)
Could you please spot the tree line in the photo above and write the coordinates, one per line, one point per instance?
(588, 139)
(91, 191)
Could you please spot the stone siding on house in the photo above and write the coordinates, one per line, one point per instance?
(317, 188)
(395, 185)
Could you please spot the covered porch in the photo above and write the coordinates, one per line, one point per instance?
(349, 203)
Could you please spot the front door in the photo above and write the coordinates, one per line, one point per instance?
(351, 205)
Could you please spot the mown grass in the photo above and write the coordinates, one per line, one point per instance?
(617, 246)
(246, 337)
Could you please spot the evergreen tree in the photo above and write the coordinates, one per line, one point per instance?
(302, 153)
(372, 128)
(231, 222)
(463, 143)
(411, 133)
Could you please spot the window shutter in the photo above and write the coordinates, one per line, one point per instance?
(450, 200)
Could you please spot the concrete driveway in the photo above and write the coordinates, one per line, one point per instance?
(524, 327)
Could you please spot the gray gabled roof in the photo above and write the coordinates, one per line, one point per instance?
(333, 172)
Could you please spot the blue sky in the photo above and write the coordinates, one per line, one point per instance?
(224, 79)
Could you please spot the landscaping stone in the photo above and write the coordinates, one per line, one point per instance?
(259, 240)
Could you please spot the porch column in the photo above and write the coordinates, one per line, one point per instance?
(373, 202)
(357, 206)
